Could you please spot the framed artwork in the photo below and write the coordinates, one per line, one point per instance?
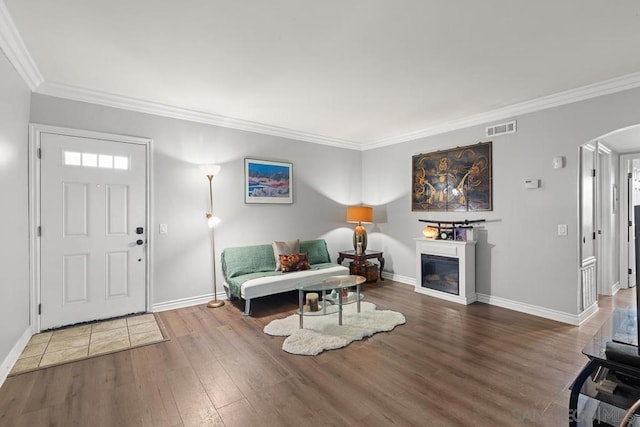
(267, 182)
(459, 179)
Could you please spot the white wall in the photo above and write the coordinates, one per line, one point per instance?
(325, 180)
(14, 250)
(520, 257)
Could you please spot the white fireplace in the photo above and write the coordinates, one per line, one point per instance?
(446, 269)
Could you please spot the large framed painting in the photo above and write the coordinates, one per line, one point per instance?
(459, 179)
(268, 182)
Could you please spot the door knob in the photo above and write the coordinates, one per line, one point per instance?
(139, 242)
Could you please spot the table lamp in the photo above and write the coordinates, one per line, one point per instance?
(359, 215)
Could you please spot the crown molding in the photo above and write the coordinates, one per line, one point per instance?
(133, 104)
(13, 47)
(606, 87)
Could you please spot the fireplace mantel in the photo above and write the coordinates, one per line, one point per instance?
(464, 253)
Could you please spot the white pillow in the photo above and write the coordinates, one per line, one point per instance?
(285, 248)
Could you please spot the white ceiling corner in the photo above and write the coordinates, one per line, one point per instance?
(142, 106)
(13, 47)
(323, 72)
(594, 90)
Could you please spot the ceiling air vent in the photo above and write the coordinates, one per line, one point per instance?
(501, 129)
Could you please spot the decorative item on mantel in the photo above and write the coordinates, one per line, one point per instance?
(450, 230)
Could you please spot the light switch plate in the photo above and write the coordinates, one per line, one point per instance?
(562, 229)
(164, 229)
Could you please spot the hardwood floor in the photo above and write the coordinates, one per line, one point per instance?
(448, 365)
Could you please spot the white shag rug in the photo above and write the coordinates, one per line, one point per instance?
(323, 332)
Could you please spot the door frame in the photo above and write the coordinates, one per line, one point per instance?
(623, 194)
(35, 131)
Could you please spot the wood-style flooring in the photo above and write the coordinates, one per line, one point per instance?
(449, 365)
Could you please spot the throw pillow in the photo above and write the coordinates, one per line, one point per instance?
(284, 248)
(294, 262)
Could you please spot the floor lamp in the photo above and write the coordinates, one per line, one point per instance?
(210, 171)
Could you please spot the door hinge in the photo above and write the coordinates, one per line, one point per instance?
(40, 307)
(630, 223)
(629, 175)
(39, 153)
(39, 232)
(629, 271)
(593, 172)
(594, 235)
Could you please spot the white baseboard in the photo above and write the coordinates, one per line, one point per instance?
(186, 302)
(615, 288)
(397, 278)
(14, 354)
(586, 314)
(547, 313)
(535, 310)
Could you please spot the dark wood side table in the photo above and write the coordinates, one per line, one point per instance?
(361, 259)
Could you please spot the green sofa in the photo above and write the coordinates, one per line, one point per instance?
(250, 271)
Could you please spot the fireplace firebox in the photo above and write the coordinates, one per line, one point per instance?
(446, 269)
(440, 273)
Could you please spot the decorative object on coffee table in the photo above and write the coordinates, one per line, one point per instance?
(359, 215)
(210, 171)
(360, 260)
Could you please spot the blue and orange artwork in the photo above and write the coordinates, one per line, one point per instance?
(268, 180)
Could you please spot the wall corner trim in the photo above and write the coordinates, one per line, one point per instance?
(14, 354)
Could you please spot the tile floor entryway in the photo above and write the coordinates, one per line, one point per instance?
(79, 342)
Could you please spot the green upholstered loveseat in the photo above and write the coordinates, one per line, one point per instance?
(250, 271)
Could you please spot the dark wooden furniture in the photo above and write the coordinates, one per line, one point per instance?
(606, 366)
(359, 261)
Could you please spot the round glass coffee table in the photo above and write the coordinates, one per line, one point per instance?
(335, 293)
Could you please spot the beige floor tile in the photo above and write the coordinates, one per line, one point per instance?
(109, 335)
(101, 347)
(108, 325)
(143, 327)
(67, 355)
(72, 332)
(42, 337)
(146, 337)
(33, 350)
(82, 341)
(26, 364)
(143, 318)
(62, 343)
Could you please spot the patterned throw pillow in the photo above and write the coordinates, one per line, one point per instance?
(294, 262)
(284, 248)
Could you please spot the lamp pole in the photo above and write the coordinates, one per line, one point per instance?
(210, 172)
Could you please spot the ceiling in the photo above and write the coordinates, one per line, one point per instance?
(359, 73)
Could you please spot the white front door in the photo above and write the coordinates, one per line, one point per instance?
(93, 219)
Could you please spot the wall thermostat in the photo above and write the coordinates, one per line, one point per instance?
(532, 183)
